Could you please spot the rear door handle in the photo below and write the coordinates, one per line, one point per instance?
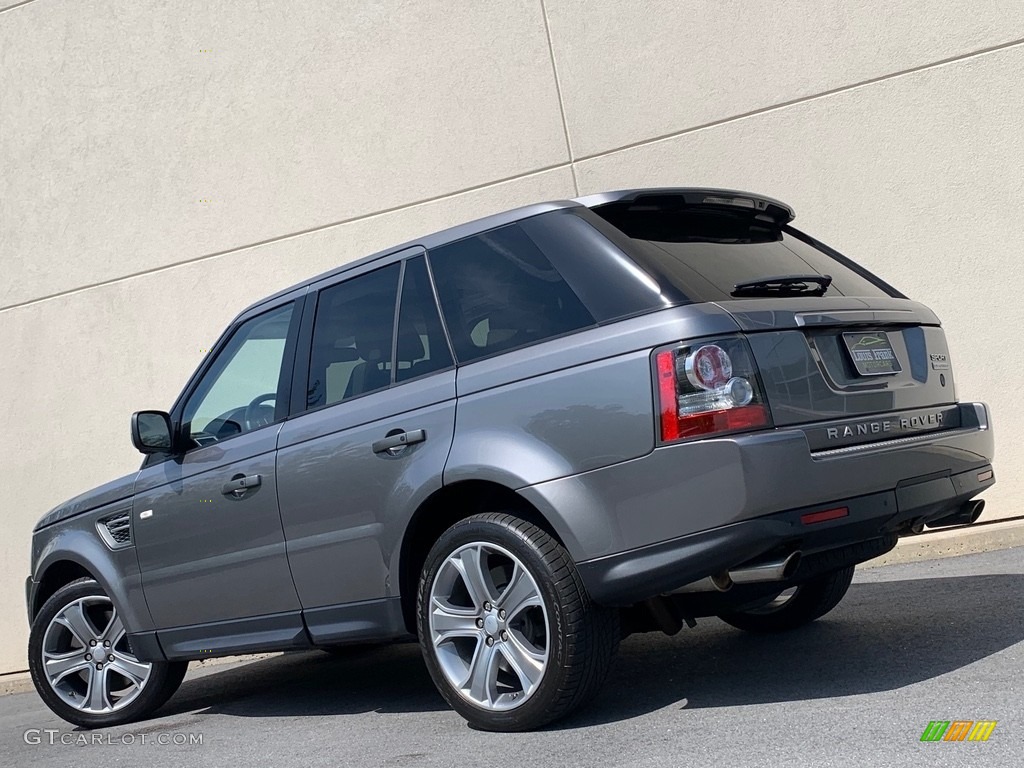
(393, 444)
(237, 486)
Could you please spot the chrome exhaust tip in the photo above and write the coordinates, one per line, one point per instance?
(719, 582)
(776, 570)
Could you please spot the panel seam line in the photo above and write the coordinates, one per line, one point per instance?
(16, 5)
(800, 100)
(290, 235)
(558, 94)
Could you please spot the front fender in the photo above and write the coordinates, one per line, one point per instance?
(116, 571)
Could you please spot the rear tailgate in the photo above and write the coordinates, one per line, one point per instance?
(835, 346)
(807, 352)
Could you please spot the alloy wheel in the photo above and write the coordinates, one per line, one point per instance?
(489, 626)
(87, 659)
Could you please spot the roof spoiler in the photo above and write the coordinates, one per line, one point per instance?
(775, 210)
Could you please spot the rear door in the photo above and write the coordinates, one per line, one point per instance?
(378, 403)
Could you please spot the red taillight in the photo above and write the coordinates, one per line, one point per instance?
(667, 390)
(708, 388)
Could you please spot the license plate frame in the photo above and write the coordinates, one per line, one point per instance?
(871, 353)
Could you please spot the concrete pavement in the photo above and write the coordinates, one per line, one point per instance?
(936, 640)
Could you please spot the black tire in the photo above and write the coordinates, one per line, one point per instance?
(581, 640)
(164, 676)
(812, 600)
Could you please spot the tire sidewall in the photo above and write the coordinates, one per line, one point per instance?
(489, 532)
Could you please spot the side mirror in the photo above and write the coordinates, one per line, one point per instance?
(151, 432)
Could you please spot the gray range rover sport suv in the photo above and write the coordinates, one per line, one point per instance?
(517, 440)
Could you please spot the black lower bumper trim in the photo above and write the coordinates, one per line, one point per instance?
(145, 646)
(874, 520)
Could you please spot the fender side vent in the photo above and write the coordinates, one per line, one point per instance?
(116, 530)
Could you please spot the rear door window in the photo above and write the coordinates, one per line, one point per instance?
(498, 292)
(352, 338)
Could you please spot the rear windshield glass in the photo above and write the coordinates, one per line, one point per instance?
(703, 253)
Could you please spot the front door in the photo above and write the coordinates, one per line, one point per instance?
(207, 525)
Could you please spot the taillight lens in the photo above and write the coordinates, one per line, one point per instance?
(709, 388)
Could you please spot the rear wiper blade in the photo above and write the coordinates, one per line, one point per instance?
(785, 285)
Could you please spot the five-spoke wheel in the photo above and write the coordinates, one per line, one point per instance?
(86, 658)
(488, 626)
(507, 629)
(82, 663)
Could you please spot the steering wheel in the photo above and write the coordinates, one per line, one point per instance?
(257, 414)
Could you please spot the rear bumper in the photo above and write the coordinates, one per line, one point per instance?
(686, 511)
(868, 530)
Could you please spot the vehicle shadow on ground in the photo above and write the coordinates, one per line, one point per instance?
(883, 636)
(390, 678)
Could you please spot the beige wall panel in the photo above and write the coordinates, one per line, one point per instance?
(918, 178)
(76, 366)
(631, 71)
(119, 118)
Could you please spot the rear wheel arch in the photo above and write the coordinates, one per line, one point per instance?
(442, 509)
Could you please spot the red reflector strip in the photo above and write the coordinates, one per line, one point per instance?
(821, 517)
(669, 405)
(983, 476)
(728, 420)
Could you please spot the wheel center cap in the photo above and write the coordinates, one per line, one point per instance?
(99, 655)
(491, 624)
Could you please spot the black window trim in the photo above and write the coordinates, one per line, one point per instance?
(440, 316)
(440, 312)
(394, 324)
(853, 266)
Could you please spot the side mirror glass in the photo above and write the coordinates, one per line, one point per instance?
(151, 432)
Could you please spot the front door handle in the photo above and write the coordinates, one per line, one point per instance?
(396, 442)
(237, 486)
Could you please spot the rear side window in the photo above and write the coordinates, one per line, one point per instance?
(700, 253)
(499, 292)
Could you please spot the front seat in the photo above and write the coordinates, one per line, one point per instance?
(373, 373)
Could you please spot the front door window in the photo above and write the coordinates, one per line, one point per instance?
(239, 393)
